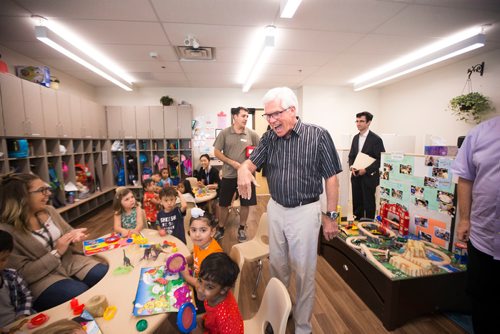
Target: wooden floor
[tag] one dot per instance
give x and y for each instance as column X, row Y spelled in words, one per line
column 337, row 308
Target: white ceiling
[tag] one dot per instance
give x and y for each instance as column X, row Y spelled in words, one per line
column 328, row 42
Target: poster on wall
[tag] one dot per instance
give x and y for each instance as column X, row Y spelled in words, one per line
column 423, row 185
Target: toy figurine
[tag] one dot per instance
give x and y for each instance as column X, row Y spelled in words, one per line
column 126, row 260
column 147, row 254
column 156, row 249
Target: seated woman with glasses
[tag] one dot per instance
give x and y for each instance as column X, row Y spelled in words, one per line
column 42, row 243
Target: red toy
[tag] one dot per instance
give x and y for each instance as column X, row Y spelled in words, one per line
column 395, row 217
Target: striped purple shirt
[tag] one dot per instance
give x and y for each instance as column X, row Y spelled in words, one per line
column 296, row 165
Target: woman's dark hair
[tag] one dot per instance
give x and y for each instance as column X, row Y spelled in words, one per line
column 205, row 156
column 6, row 241
column 219, row 268
column 187, row 187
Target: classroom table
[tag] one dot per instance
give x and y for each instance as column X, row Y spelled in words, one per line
column 205, row 197
column 120, row 290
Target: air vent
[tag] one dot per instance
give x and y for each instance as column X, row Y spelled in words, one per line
column 188, row 53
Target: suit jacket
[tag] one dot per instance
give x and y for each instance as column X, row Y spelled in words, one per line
column 373, row 147
column 37, row 265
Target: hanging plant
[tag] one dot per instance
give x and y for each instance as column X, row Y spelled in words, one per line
column 471, row 107
column 166, row 100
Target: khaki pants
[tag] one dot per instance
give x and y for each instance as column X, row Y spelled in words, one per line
column 293, row 246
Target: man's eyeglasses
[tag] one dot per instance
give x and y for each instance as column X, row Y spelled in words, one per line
column 274, row 115
column 43, row 190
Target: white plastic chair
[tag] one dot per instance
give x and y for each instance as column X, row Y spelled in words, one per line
column 251, row 251
column 274, row 309
column 193, row 181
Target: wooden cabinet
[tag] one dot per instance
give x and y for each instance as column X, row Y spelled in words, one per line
column 149, row 122
column 22, row 107
column 50, row 114
column 64, row 126
column 121, row 122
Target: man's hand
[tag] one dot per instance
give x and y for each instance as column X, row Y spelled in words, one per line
column 245, row 180
column 361, row 172
column 463, row 230
column 330, row 227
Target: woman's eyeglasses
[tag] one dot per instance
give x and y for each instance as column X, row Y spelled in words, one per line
column 43, row 190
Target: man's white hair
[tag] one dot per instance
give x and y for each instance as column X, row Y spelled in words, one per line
column 285, row 94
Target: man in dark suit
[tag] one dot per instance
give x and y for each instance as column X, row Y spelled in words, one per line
column 364, row 181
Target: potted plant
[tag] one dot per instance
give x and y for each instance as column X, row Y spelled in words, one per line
column 166, row 100
column 471, row 107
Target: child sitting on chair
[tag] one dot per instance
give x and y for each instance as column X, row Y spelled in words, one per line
column 170, row 220
column 217, row 275
column 128, row 215
column 150, row 201
column 15, row 297
column 165, row 180
column 186, row 190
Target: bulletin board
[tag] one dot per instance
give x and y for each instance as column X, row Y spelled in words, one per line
column 423, row 185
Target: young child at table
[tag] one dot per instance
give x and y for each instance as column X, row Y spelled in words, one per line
column 150, row 201
column 165, row 180
column 170, row 219
column 217, row 275
column 201, row 232
column 128, row 215
column 186, row 190
column 15, row 297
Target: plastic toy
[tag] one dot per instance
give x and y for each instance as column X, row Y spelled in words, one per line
column 38, row 320
column 76, row 306
column 186, row 318
column 109, row 312
column 126, row 260
column 141, row 325
column 139, row 239
column 175, row 263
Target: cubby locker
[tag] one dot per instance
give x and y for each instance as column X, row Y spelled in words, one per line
column 172, row 145
column 96, row 146
column 38, row 166
column 67, row 144
column 36, row 147
column 3, row 157
column 186, row 164
column 132, row 168
column 52, row 147
column 157, row 145
column 68, row 168
column 144, row 145
column 145, row 160
column 118, row 163
column 173, row 166
column 90, row 164
column 87, row 145
column 20, row 165
column 77, row 146
column 56, row 180
column 157, row 157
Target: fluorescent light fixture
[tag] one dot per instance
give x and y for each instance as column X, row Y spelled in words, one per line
column 257, row 57
column 288, row 8
column 42, row 35
column 450, row 47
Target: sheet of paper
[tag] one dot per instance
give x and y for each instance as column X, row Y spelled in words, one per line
column 362, row 161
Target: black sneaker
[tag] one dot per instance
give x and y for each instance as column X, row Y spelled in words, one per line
column 242, row 235
column 219, row 234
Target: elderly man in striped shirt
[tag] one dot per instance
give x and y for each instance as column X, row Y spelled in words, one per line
column 297, row 157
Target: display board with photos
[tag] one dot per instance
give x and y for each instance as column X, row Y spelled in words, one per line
column 423, row 185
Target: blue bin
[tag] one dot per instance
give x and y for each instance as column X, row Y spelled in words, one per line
column 17, row 148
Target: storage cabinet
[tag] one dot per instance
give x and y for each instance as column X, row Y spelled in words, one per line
column 157, row 142
column 22, row 107
column 121, row 122
column 50, row 120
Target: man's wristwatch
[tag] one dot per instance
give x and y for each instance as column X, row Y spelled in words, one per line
column 331, row 214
